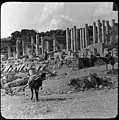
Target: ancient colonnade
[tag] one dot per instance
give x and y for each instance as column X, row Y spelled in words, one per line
column 76, row 39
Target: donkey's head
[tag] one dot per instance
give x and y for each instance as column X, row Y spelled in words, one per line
column 43, row 76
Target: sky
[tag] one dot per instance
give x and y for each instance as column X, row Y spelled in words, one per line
column 43, row 16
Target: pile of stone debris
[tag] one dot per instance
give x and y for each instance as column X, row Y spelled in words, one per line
column 70, row 61
column 11, row 69
column 92, row 81
column 18, row 66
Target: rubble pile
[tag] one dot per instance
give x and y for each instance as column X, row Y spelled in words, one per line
column 20, row 66
column 14, row 74
column 115, row 72
column 11, row 69
column 70, row 61
column 91, row 81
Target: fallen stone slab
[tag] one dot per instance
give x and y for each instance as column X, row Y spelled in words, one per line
column 18, row 82
column 7, row 68
column 11, row 78
column 22, row 66
column 17, row 89
column 14, row 69
column 2, row 69
column 18, row 67
column 21, row 74
column 10, row 69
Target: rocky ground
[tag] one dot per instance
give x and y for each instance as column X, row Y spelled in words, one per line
column 54, row 102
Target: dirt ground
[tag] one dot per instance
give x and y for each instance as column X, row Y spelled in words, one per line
column 88, row 104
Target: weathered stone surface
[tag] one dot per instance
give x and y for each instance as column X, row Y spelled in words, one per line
column 3, row 92
column 10, row 69
column 67, row 39
column 91, row 81
column 99, row 31
column 22, row 66
column 18, row 82
column 7, row 68
column 14, row 69
column 17, row 89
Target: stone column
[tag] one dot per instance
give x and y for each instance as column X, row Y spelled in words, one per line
column 86, row 35
column 103, row 31
column 72, row 41
column 67, row 39
column 37, row 45
column 42, row 45
column 78, row 38
column 99, row 31
column 47, row 46
column 32, row 44
column 17, row 49
column 94, row 32
column 9, row 50
column 81, row 42
column 113, row 34
column 83, row 37
column 107, row 32
column 74, row 37
column 54, row 45
column 102, row 49
column 23, row 47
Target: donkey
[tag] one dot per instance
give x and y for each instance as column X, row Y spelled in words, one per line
column 36, row 84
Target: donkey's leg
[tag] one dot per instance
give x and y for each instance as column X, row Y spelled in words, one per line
column 36, row 92
column 32, row 93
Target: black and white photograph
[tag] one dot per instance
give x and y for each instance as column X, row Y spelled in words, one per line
column 59, row 60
